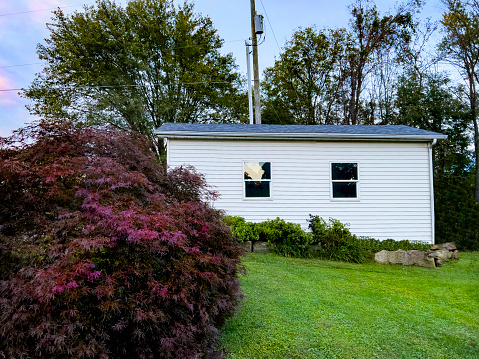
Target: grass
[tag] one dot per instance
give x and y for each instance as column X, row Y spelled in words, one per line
column 301, row 308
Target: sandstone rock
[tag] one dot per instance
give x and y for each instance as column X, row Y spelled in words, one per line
column 441, row 254
column 433, row 257
column 261, row 247
column 398, row 257
column 420, row 258
column 450, row 246
column 382, row 257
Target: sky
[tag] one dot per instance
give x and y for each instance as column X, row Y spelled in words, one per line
column 23, row 26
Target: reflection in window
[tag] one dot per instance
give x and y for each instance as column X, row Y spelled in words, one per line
column 344, row 177
column 257, row 179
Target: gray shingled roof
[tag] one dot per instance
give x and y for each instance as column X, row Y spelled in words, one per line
column 194, row 130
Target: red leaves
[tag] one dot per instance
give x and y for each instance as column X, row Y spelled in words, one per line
column 102, row 246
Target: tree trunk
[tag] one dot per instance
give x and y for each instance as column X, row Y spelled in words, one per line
column 351, row 119
column 473, row 102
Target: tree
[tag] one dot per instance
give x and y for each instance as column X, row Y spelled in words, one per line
column 299, row 88
column 104, row 254
column 135, row 68
column 428, row 101
column 370, row 36
column 321, row 75
column 461, row 47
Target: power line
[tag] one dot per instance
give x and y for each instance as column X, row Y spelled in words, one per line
column 271, row 26
column 33, row 63
column 121, row 86
column 39, row 10
column 173, row 48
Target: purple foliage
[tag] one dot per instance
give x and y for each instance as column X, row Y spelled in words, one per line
column 105, row 254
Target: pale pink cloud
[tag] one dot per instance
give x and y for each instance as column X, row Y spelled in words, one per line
column 7, row 98
column 43, row 9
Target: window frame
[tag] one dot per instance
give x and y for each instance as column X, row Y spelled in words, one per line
column 265, row 180
column 357, row 182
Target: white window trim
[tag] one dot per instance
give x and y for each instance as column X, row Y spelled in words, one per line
column 270, row 198
column 331, row 181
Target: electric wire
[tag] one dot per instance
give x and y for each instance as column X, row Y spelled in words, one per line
column 33, row 63
column 271, row 26
column 39, row 63
column 39, row 10
column 174, row 48
column 124, row 86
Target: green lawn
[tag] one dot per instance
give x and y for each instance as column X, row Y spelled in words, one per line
column 298, row 308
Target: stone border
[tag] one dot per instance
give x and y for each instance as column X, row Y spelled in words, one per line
column 432, row 258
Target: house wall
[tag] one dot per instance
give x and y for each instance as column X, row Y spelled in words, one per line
column 394, row 188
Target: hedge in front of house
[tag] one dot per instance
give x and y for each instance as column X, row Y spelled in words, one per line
column 287, row 239
column 333, row 238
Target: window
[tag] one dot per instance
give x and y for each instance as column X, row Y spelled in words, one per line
column 344, row 178
column 257, row 179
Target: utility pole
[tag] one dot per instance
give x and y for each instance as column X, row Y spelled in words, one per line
column 257, row 104
column 250, row 91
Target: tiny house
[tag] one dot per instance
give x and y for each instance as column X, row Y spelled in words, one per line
column 378, row 179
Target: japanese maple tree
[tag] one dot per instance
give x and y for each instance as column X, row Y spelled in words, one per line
column 104, row 253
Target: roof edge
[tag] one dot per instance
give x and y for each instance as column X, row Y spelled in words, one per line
column 296, row 136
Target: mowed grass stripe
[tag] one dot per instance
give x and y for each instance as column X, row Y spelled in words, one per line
column 299, row 308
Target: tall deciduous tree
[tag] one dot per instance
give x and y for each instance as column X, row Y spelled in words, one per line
column 461, row 47
column 299, row 88
column 370, row 35
column 136, row 67
column 321, row 75
column 428, row 101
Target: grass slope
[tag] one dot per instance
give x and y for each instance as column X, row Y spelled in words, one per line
column 299, row 308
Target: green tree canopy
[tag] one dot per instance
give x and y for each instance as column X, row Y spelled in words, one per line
column 136, row 67
column 321, row 76
column 300, row 86
column 461, row 47
column 428, row 101
column 370, row 35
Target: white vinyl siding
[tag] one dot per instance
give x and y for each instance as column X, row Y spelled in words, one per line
column 395, row 197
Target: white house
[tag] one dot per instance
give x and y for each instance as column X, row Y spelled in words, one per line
column 376, row 178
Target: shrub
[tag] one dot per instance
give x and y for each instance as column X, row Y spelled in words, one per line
column 242, row 230
column 336, row 241
column 288, row 238
column 375, row 245
column 104, row 254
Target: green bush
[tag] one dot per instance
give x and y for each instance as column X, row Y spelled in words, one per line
column 336, row 240
column 242, row 230
column 375, row 245
column 338, row 243
column 287, row 238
